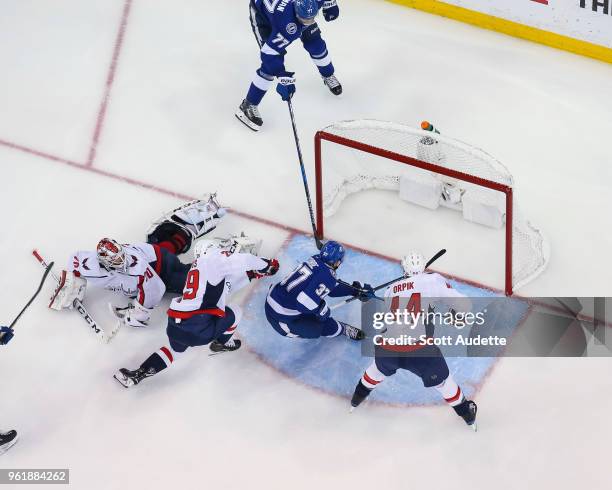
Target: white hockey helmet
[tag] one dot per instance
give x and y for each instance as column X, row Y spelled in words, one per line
column 413, row 263
column 202, row 246
column 111, row 254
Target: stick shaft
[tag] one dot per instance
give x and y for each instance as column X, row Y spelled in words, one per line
column 78, row 306
column 388, row 283
column 304, row 179
column 42, row 281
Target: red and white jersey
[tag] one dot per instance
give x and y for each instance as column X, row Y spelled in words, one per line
column 211, row 278
column 139, row 281
column 417, row 293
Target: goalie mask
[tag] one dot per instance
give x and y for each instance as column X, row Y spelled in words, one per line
column 413, row 263
column 111, row 255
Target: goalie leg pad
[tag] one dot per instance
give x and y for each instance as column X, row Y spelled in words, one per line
column 187, row 222
column 70, row 288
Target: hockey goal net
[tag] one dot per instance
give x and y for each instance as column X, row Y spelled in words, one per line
column 432, row 171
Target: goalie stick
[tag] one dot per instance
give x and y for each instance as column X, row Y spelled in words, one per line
column 388, row 283
column 304, row 179
column 42, row 281
column 78, row 306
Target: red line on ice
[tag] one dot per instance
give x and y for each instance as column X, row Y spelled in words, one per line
column 110, row 78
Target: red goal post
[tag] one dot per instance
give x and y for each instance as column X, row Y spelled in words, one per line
column 372, row 138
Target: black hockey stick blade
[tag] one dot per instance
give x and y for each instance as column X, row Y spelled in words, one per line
column 435, row 257
column 42, row 281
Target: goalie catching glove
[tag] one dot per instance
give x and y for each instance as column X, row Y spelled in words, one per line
column 70, row 288
column 133, row 315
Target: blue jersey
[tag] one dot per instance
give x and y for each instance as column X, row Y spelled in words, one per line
column 284, row 29
column 304, row 290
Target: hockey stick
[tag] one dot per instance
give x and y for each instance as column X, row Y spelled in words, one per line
column 42, row 281
column 388, row 283
column 78, row 306
column 370, row 296
column 304, row 179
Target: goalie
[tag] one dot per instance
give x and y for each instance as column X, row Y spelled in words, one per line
column 143, row 272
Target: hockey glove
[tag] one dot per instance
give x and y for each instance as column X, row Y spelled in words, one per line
column 323, row 311
column 269, row 270
column 286, row 85
column 70, row 288
column 133, row 315
column 6, row 334
column 330, row 10
column 363, row 293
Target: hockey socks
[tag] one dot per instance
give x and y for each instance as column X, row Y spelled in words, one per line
column 371, row 378
column 158, row 361
column 323, row 63
column 259, row 86
column 451, row 392
column 360, row 394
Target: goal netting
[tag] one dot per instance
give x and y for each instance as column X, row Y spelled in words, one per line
column 430, row 170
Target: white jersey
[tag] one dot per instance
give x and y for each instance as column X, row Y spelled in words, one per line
column 140, row 281
column 209, row 281
column 419, row 292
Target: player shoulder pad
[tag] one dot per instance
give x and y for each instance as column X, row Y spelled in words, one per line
column 286, row 22
column 145, row 249
column 439, row 279
column 85, row 262
column 137, row 263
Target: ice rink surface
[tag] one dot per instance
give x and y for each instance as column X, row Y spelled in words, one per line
column 115, row 111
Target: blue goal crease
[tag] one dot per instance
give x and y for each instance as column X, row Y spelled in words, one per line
column 336, row 365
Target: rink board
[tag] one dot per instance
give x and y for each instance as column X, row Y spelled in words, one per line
column 335, row 365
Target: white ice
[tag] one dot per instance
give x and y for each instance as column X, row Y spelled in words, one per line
column 230, row 421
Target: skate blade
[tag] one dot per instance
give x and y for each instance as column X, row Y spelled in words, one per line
column 474, row 427
column 244, row 120
column 219, row 352
column 351, row 410
column 125, row 385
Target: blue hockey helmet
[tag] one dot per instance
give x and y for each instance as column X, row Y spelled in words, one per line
column 332, row 254
column 306, row 11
